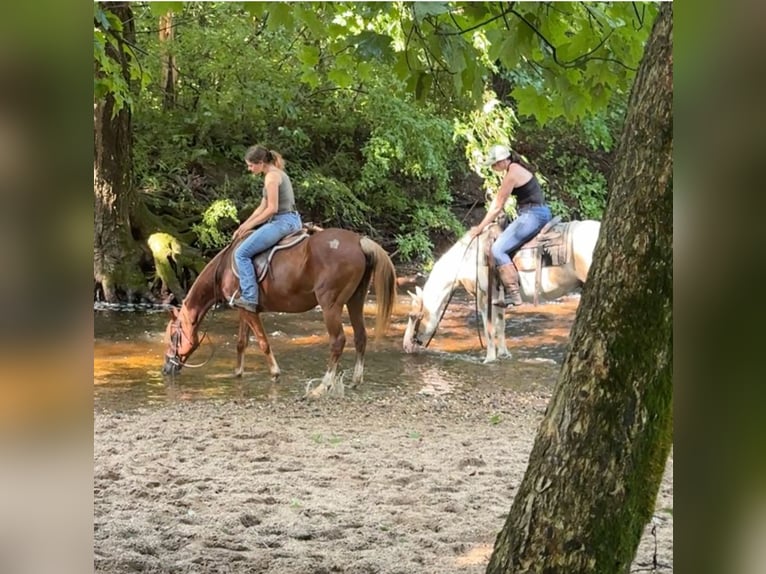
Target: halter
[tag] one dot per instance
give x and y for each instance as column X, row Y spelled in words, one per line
column 419, row 317
column 176, row 336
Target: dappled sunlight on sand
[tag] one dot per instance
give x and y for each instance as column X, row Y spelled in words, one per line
column 477, row 555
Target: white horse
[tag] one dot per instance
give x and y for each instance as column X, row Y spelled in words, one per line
column 465, row 263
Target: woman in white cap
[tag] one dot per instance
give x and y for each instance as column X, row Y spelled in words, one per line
column 533, row 214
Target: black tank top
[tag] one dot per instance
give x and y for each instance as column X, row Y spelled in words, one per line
column 529, row 194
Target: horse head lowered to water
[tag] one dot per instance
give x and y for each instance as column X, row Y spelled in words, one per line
column 465, row 263
column 330, row 268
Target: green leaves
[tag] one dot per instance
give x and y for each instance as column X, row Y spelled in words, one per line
column 340, row 77
column 310, row 18
column 161, row 8
column 308, row 55
column 422, row 10
column 372, row 104
column 371, row 44
column 114, row 61
column 208, row 232
column 543, row 43
column 280, row 15
column 445, row 51
column 505, row 48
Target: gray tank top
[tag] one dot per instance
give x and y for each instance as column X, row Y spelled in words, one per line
column 286, row 196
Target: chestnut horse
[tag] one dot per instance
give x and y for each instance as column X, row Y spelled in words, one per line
column 331, row 268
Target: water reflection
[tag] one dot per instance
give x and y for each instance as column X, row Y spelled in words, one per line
column 129, row 348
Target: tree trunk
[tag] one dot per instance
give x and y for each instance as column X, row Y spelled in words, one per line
column 125, row 231
column 118, row 251
column 168, row 61
column 115, row 254
column 599, row 456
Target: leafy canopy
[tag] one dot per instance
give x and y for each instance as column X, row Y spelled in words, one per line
column 372, row 103
column 567, row 58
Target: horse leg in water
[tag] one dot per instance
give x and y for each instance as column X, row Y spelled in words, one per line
column 496, row 318
column 253, row 320
column 489, row 327
column 492, row 320
column 244, row 335
column 355, row 307
column 332, row 320
column 490, row 335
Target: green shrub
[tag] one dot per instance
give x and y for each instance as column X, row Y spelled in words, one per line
column 329, row 202
column 209, row 235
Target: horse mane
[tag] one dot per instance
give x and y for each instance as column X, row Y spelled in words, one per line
column 207, row 279
column 447, row 269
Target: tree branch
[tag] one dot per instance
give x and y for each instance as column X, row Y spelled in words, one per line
column 475, row 27
column 430, row 56
column 640, row 16
column 572, row 63
column 504, row 15
column 592, row 16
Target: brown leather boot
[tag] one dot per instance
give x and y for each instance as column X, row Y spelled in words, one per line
column 510, row 279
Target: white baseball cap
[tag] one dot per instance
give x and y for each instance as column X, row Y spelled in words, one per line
column 497, row 153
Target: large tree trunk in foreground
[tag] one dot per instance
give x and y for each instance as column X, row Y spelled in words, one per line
column 127, row 236
column 115, row 253
column 600, row 452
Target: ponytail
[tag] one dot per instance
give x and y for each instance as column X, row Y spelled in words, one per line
column 258, row 153
column 276, row 159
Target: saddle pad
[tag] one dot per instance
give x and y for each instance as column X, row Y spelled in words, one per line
column 262, row 260
column 550, row 247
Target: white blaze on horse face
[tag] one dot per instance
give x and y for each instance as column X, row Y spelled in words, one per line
column 334, row 244
column 168, row 333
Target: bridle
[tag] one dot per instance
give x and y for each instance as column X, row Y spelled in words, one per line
column 419, row 316
column 416, row 318
column 177, row 335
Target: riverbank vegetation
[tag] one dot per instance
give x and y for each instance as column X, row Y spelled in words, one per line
column 380, row 111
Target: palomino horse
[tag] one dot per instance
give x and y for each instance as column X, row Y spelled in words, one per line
column 331, row 268
column 463, row 265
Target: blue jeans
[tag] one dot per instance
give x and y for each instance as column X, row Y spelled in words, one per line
column 267, row 235
column 519, row 231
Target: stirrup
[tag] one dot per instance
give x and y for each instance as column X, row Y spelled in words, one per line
column 247, row 305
